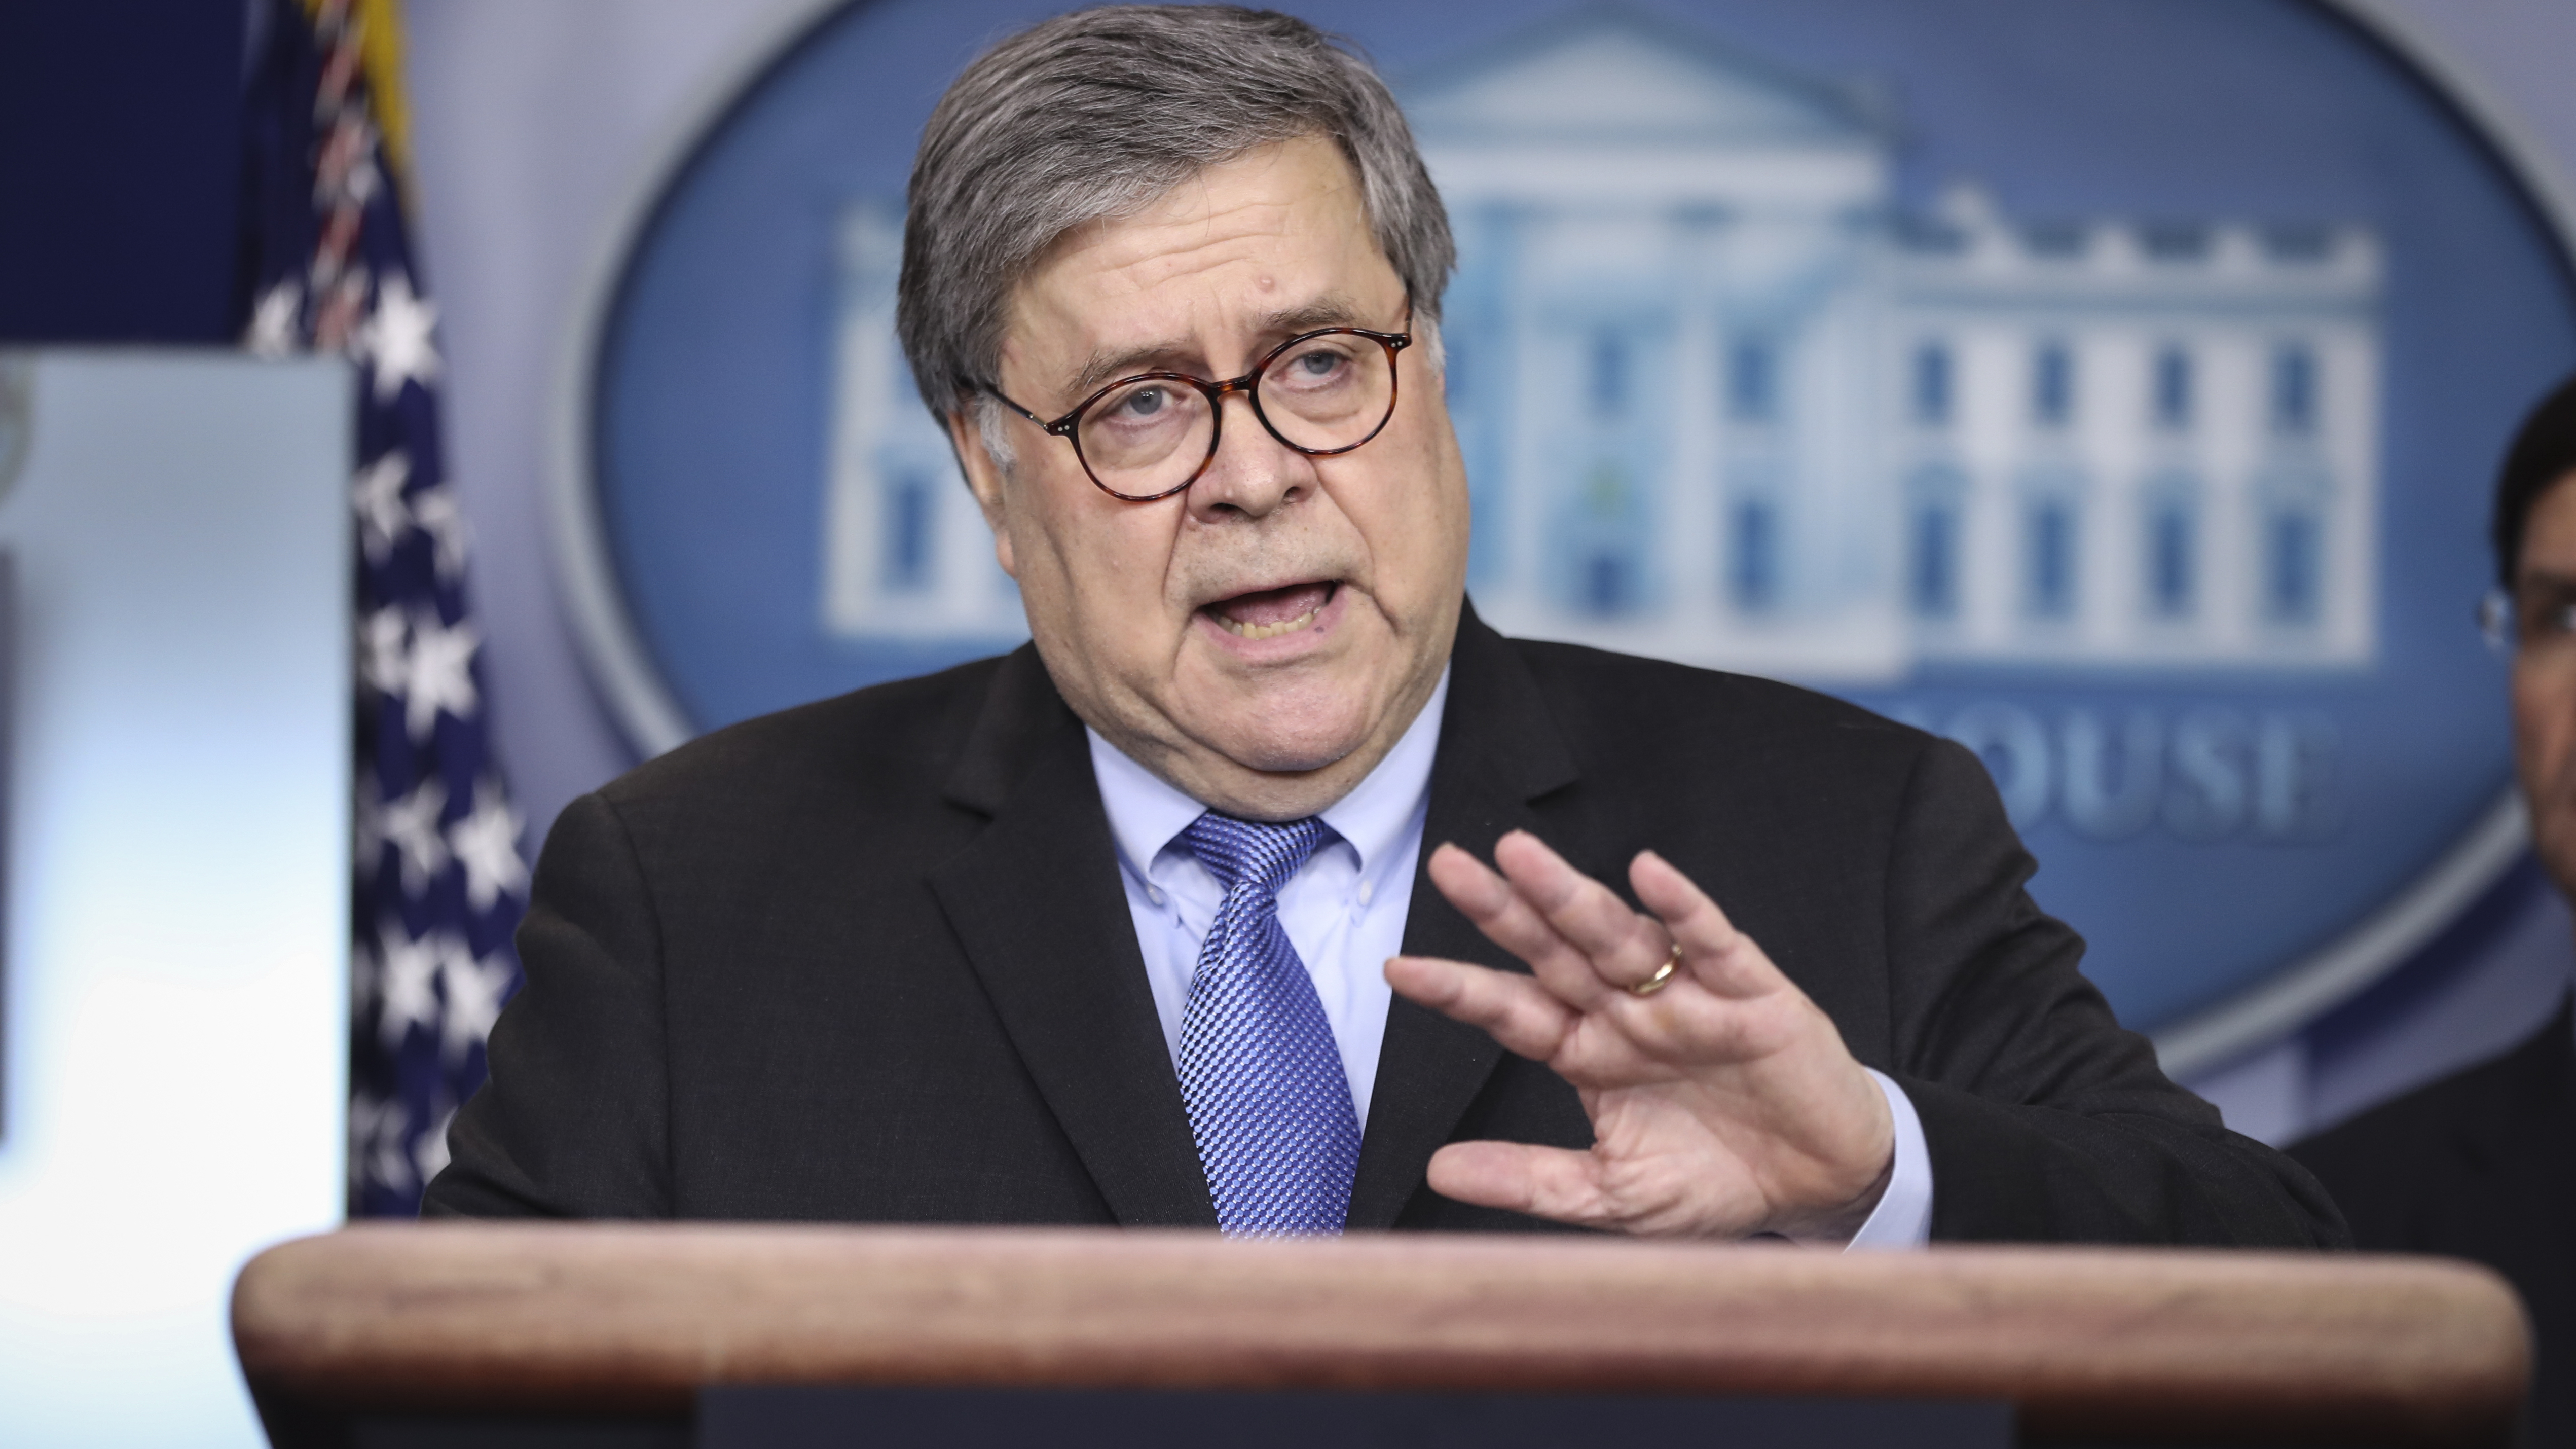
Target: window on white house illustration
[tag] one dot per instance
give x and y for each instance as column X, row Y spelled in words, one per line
column 2048, row 542
column 1932, row 543
column 2052, row 385
column 2172, row 403
column 908, row 533
column 1752, row 380
column 1609, row 380
column 1605, row 566
column 2172, row 569
column 1932, row 384
column 1609, row 582
column 2293, row 564
column 2294, row 391
column 1753, row 555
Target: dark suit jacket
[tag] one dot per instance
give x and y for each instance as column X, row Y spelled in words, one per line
column 870, row 960
column 2480, row 1165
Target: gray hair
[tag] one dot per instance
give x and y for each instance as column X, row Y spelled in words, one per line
column 1098, row 114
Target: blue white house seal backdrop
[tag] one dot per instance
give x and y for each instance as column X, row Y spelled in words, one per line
column 2111, row 385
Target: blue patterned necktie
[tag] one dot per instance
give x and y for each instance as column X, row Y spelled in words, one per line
column 1262, row 1078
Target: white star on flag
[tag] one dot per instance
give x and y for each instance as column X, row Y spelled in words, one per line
column 377, row 494
column 486, row 843
column 384, row 650
column 474, row 990
column 411, row 823
column 431, row 1154
column 408, row 983
column 361, row 178
column 376, row 1141
column 439, row 517
column 394, row 341
column 272, row 332
column 440, row 673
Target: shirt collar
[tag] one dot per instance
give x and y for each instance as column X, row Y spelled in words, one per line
column 1146, row 812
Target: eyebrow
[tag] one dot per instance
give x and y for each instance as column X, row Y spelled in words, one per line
column 1327, row 311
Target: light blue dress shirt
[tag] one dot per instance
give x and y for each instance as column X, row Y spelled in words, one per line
column 1344, row 911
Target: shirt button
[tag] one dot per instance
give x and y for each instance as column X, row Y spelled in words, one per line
column 1154, row 894
column 1366, row 890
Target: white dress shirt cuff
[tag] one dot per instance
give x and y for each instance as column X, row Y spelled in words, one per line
column 1903, row 1218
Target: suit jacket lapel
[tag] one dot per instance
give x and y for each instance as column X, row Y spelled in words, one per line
column 1499, row 751
column 1037, row 903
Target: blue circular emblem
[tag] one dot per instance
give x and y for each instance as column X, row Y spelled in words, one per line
column 2111, row 387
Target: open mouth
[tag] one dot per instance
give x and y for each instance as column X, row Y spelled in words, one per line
column 1269, row 613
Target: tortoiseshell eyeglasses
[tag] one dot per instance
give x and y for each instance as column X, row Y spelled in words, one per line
column 1151, row 435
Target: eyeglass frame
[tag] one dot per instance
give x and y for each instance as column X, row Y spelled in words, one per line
column 2496, row 622
column 2499, row 618
column 1068, row 426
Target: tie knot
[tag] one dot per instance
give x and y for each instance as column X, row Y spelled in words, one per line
column 1249, row 853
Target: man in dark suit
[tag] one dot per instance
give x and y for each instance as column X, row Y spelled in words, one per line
column 2482, row 1164
column 1137, row 925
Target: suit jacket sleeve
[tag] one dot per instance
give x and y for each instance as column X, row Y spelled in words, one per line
column 2045, row 1120
column 574, row 1119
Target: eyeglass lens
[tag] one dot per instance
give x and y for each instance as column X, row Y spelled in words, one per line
column 2538, row 620
column 1321, row 395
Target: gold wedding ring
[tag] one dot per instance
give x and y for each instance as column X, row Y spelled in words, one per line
column 1663, row 976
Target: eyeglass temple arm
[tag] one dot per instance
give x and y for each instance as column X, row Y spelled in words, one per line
column 997, row 394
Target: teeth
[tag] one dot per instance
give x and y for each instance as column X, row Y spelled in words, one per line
column 1268, row 631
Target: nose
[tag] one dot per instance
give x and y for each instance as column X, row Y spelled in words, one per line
column 1253, row 474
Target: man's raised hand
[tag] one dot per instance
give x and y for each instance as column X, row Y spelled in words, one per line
column 1723, row 1103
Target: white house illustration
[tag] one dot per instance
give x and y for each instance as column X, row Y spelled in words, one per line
column 1723, row 402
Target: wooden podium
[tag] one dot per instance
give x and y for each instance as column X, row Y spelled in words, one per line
column 381, row 1335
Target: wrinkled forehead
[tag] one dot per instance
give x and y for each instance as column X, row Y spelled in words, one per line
column 1276, row 236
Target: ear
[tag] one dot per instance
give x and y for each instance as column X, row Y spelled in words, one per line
column 985, row 480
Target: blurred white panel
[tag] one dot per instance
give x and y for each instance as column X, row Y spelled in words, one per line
column 177, row 878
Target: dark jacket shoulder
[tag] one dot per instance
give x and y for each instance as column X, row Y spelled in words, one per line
column 2480, row 1165
column 1609, row 696
column 920, row 725
column 1646, row 729
column 862, row 788
column 2392, row 1166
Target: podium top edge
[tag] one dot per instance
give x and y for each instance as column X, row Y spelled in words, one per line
column 629, row 1315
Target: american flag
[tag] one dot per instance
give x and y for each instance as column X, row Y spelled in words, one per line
column 439, row 879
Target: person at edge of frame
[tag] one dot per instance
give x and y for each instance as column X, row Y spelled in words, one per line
column 2482, row 1164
